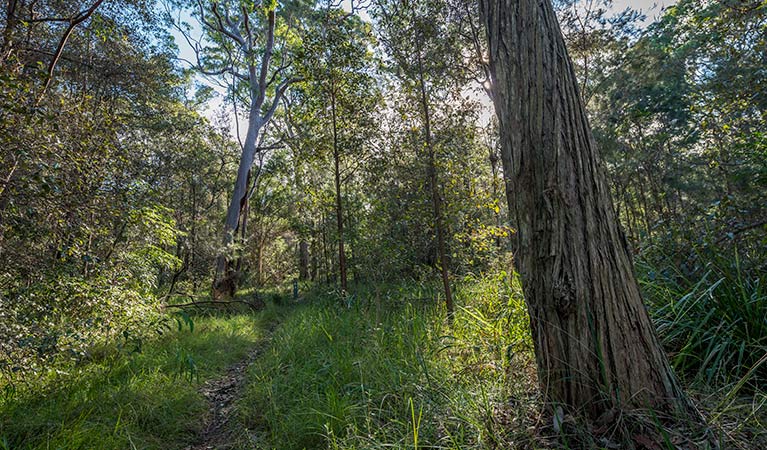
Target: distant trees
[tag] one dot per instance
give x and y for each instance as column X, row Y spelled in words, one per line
column 684, row 145
column 344, row 96
column 330, row 126
column 409, row 33
column 595, row 345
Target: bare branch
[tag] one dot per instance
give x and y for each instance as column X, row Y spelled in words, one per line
column 268, row 50
column 228, row 29
column 278, row 96
column 81, row 17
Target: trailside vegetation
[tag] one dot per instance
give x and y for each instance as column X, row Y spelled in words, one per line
column 383, row 224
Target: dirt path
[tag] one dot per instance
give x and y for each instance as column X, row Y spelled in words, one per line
column 221, row 394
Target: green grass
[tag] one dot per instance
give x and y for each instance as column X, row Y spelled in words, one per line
column 383, row 370
column 713, row 325
column 379, row 369
column 712, row 319
column 123, row 399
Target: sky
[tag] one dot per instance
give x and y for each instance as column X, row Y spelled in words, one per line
column 651, row 8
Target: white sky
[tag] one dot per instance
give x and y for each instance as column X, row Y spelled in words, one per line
column 651, row 8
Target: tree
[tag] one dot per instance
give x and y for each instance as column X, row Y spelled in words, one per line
column 330, row 121
column 341, row 66
column 418, row 38
column 596, row 349
column 685, row 149
column 243, row 38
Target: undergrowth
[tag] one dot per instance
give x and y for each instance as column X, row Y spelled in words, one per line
column 713, row 322
column 382, row 369
column 711, row 315
column 128, row 396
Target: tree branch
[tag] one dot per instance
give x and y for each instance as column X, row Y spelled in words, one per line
column 278, row 96
column 267, row 57
column 74, row 22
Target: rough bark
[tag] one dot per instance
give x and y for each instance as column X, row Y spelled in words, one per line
column 595, row 345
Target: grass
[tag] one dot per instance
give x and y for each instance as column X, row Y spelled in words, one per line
column 122, row 399
column 714, row 325
column 383, row 370
column 379, row 369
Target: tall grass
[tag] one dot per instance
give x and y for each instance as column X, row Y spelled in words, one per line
column 383, row 370
column 122, row 399
column 712, row 321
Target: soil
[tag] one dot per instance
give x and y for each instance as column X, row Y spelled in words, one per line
column 221, row 394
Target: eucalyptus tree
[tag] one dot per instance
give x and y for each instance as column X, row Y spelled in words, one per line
column 595, row 345
column 247, row 44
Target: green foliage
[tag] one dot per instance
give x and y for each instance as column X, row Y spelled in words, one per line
column 683, row 146
column 682, row 139
column 715, row 325
column 123, row 399
column 113, row 184
column 98, row 173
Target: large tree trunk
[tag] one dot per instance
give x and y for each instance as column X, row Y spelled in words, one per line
column 595, row 345
column 225, row 281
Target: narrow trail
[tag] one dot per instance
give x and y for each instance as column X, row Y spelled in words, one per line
column 221, row 394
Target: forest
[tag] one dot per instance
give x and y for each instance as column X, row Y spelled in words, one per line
column 377, row 224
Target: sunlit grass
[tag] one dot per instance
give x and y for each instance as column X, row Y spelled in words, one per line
column 384, row 370
column 123, row 399
column 380, row 368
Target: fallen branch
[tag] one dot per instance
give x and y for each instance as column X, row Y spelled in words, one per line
column 199, row 304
